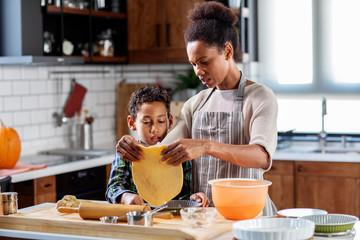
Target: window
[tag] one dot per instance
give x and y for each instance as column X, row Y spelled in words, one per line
column 309, row 45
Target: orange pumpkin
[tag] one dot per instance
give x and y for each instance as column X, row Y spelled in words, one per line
column 10, row 146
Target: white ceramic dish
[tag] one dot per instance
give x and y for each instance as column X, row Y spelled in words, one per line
column 273, row 229
column 332, row 223
column 299, row 212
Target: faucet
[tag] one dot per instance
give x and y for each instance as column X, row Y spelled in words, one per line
column 322, row 135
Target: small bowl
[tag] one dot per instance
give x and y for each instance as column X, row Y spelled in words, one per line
column 198, row 216
column 112, row 219
column 138, row 218
column 332, row 223
column 273, row 229
column 299, row 212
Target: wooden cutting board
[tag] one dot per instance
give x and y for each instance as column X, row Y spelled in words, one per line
column 124, row 92
column 46, row 218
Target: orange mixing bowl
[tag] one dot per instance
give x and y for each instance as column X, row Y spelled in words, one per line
column 239, row 198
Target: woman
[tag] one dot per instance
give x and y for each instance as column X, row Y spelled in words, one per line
column 229, row 129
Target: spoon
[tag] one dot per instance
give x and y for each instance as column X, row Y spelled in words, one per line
column 161, row 207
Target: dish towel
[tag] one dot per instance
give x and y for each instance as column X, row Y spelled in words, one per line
column 75, row 100
column 20, row 168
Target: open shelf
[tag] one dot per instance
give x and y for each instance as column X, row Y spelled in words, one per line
column 95, row 13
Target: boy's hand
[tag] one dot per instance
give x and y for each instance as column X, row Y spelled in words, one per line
column 131, row 199
column 128, row 149
column 200, row 197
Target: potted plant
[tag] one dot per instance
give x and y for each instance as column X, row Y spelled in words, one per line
column 187, row 85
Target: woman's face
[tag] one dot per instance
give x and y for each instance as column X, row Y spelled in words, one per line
column 210, row 65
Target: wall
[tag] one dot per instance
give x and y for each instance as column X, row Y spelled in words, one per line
column 29, row 95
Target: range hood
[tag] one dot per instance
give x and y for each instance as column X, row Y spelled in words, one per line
column 21, row 35
column 40, row 60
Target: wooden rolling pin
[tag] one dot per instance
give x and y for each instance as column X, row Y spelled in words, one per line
column 98, row 210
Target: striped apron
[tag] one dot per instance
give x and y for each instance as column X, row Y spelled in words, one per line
column 225, row 127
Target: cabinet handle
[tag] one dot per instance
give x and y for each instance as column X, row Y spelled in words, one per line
column 300, row 168
column 168, row 43
column 158, row 35
column 48, row 185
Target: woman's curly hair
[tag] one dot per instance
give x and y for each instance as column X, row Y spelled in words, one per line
column 213, row 23
column 148, row 94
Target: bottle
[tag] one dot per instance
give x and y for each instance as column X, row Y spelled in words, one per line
column 1, row 205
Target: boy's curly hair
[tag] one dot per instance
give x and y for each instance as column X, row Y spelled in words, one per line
column 213, row 23
column 148, row 94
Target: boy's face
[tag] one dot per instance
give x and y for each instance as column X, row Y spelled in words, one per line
column 151, row 122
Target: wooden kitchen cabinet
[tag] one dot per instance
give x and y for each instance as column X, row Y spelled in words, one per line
column 282, row 190
column 36, row 191
column 333, row 187
column 85, row 28
column 84, row 184
column 156, row 30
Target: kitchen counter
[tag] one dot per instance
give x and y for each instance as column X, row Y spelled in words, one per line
column 297, row 152
column 56, row 165
column 305, row 151
column 45, row 222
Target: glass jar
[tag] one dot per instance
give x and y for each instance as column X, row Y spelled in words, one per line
column 9, row 202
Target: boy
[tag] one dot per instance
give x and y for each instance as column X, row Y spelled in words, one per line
column 149, row 109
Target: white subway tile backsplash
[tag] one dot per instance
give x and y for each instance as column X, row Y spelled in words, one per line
column 29, row 102
column 46, row 101
column 132, row 81
column 30, row 95
column 43, row 72
column 31, row 132
column 21, row 118
column 181, row 67
column 7, row 118
column 12, row 72
column 47, row 130
column 39, row 116
column 110, row 84
column 97, row 85
column 21, row 87
column 38, row 87
column 5, row 88
column 136, row 68
column 12, row 103
column 110, row 110
column 137, row 75
column 29, row 72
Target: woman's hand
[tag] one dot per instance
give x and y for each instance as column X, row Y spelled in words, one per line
column 131, row 199
column 128, row 149
column 200, row 197
column 184, row 150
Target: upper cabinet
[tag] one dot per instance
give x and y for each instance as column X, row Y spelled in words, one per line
column 95, row 30
column 50, row 31
column 156, row 30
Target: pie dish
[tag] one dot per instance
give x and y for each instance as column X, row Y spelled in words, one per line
column 299, row 212
column 273, row 229
column 332, row 223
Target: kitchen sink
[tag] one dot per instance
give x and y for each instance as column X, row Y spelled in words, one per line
column 338, row 150
column 77, row 152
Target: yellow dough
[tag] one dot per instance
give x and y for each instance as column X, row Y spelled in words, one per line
column 156, row 181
